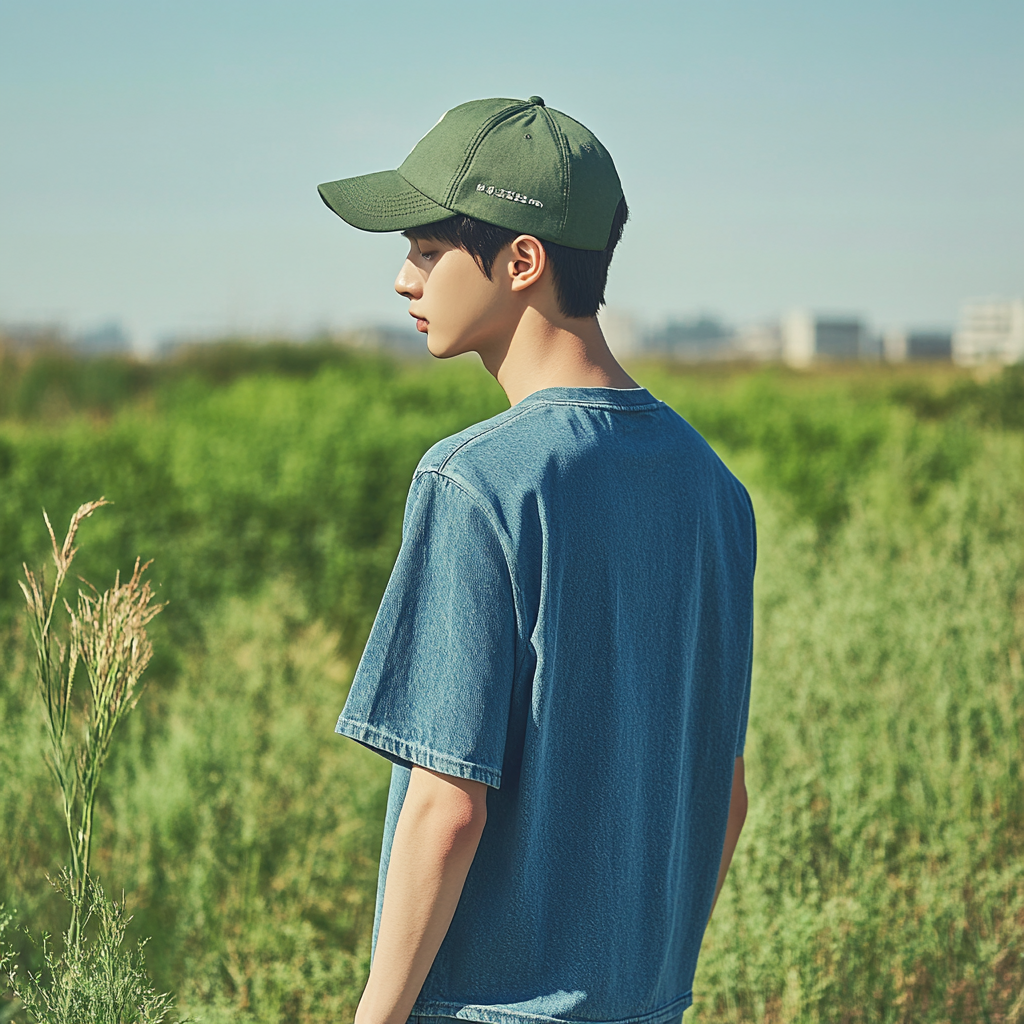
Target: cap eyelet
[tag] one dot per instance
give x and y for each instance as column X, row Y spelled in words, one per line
column 527, row 136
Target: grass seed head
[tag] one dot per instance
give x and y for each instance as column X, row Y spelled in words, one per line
column 108, row 633
column 63, row 555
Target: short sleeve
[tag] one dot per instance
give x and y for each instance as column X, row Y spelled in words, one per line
column 434, row 685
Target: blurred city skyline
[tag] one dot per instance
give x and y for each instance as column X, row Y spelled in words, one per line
column 160, row 162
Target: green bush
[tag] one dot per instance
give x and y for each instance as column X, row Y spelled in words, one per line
column 228, row 487
column 96, row 977
column 878, row 878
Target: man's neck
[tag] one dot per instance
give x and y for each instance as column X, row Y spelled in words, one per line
column 545, row 354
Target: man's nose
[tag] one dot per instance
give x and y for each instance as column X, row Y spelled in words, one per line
column 408, row 283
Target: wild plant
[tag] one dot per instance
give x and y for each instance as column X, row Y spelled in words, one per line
column 107, row 635
column 97, row 979
column 90, row 980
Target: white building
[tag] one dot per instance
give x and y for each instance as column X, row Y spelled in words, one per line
column 808, row 338
column 761, row 342
column 990, row 331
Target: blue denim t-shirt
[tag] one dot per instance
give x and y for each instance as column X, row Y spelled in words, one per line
column 569, row 621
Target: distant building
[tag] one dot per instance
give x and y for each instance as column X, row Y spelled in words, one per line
column 761, row 342
column 108, row 339
column 917, row 346
column 990, row 331
column 702, row 337
column 809, row 338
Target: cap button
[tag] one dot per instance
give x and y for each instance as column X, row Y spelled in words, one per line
column 536, row 100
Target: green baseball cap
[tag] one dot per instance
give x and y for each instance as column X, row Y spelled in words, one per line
column 514, row 163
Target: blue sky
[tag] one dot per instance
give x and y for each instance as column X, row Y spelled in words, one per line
column 158, row 160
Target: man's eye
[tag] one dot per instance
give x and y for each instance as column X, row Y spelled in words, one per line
column 429, row 254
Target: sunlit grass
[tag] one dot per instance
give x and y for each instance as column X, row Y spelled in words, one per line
column 878, row 878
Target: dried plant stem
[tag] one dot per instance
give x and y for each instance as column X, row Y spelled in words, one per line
column 107, row 634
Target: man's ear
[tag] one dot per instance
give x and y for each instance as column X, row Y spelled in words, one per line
column 528, row 262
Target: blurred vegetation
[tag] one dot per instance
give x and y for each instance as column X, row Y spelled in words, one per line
column 231, row 466
column 879, row 876
column 55, row 381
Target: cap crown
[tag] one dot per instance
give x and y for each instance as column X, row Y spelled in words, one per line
column 520, row 165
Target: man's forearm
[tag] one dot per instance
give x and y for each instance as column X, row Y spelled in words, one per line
column 737, row 816
column 435, row 841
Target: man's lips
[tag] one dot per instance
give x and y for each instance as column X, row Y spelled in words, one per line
column 421, row 325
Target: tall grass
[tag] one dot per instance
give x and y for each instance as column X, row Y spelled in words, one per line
column 94, row 977
column 107, row 635
column 878, row 877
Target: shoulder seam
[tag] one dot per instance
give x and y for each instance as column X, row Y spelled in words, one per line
column 439, row 468
column 500, row 535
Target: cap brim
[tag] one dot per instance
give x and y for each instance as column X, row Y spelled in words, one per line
column 383, row 201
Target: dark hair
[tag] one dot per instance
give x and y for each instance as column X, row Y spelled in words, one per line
column 579, row 275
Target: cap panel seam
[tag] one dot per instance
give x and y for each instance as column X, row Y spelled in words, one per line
column 433, row 202
column 471, row 150
column 563, row 149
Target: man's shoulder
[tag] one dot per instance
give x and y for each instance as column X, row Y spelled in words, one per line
column 537, row 425
column 480, row 443
column 531, row 443
column 515, row 449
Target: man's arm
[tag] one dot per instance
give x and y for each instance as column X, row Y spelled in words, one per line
column 737, row 815
column 435, row 842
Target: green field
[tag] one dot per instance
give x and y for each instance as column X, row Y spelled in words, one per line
column 880, row 877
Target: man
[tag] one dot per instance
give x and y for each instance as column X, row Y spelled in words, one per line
column 560, row 666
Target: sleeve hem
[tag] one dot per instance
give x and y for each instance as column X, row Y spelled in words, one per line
column 393, row 746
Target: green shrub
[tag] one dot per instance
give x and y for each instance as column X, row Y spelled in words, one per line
column 228, row 487
column 96, row 978
column 878, row 878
